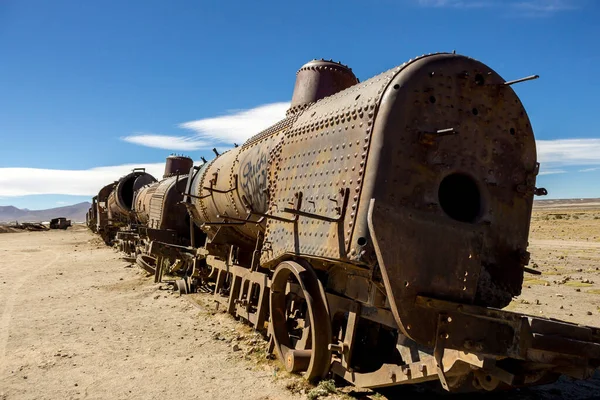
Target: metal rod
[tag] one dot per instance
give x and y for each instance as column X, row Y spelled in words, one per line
column 250, row 210
column 187, row 194
column 215, row 151
column 532, row 271
column 196, row 197
column 247, row 219
column 223, row 223
column 210, row 189
column 192, row 234
column 527, row 78
column 310, row 215
column 441, row 132
column 346, row 193
column 272, row 216
column 217, row 190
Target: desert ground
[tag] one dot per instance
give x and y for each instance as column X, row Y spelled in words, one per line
column 79, row 322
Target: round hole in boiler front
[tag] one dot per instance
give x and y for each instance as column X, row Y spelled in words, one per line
column 460, row 198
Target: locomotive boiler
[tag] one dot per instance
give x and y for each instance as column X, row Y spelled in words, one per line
column 162, row 222
column 114, row 202
column 157, row 205
column 376, row 232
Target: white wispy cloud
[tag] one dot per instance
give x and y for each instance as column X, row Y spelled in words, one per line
column 552, row 171
column 456, row 3
column 547, row 6
column 166, row 142
column 590, row 169
column 569, row 152
column 28, row 181
column 239, row 125
column 234, row 127
column 525, row 7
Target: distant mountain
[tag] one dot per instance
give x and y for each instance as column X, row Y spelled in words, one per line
column 76, row 213
column 551, row 203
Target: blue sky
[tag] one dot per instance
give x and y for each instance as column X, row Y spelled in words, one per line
column 118, row 84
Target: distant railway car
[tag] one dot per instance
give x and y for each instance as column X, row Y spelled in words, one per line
column 161, row 223
column 115, row 201
column 158, row 207
column 60, row 223
column 91, row 218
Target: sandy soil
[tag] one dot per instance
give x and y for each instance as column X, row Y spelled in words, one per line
column 78, row 322
column 565, row 248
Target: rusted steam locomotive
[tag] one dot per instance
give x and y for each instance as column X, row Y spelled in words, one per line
column 112, row 208
column 374, row 233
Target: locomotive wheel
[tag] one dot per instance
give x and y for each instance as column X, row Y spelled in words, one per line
column 182, row 286
column 300, row 322
column 145, row 262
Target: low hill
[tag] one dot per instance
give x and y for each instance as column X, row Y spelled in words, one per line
column 75, row 212
column 567, row 203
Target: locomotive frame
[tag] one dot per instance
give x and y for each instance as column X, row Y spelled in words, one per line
column 376, row 232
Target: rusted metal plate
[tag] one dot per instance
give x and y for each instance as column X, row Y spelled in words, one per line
column 557, row 344
column 322, row 155
column 227, row 185
column 212, row 199
column 177, row 165
column 141, row 203
column 409, row 271
column 318, row 79
column 121, row 200
column 101, row 206
column 455, row 146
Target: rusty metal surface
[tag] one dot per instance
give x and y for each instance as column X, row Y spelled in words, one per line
column 120, row 201
column 318, row 79
column 141, row 202
column 478, row 229
column 226, row 187
column 101, row 206
column 322, row 156
column 177, row 165
column 405, row 200
column 92, row 215
column 166, row 210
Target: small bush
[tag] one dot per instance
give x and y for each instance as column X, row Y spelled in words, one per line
column 323, row 389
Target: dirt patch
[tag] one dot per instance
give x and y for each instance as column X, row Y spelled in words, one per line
column 565, row 248
column 78, row 322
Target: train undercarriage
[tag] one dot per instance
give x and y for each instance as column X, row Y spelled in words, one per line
column 476, row 348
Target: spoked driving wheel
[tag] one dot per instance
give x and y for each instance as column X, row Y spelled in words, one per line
column 300, row 321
